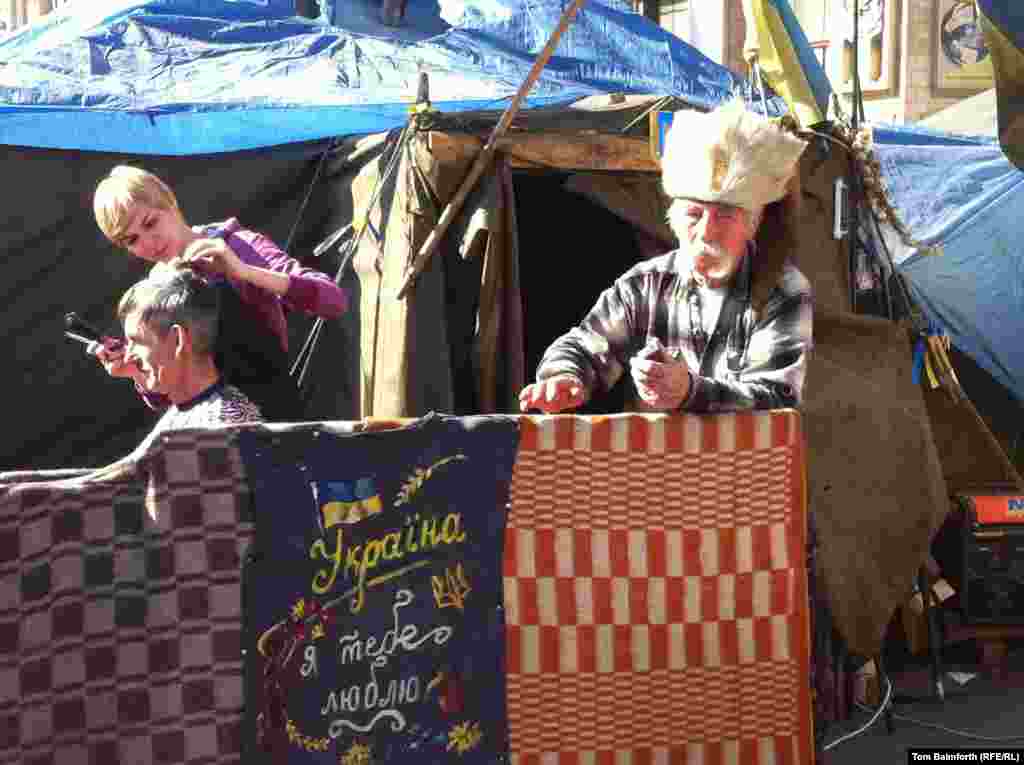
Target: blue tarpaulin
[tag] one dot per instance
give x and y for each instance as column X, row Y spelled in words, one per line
column 201, row 76
column 963, row 201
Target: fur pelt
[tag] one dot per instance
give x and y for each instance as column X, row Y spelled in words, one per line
column 777, row 240
column 729, row 155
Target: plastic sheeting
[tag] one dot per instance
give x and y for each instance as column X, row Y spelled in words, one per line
column 964, row 200
column 202, row 76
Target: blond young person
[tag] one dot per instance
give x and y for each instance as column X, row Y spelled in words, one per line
column 259, row 283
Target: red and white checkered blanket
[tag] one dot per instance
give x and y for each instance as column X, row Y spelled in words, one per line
column 655, row 591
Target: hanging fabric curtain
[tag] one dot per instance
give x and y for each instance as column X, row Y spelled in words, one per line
column 777, row 44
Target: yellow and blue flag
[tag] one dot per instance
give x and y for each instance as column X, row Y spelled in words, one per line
column 778, row 43
column 347, row 501
column 1002, row 23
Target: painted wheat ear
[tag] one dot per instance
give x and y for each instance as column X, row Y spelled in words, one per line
column 419, row 477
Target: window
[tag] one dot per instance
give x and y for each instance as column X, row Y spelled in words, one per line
column 876, row 46
column 670, row 14
column 673, row 15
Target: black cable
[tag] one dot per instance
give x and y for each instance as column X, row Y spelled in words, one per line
column 857, row 183
column 885, row 707
column 309, row 193
column 927, row 724
column 301, row 366
column 907, row 301
column 882, row 708
column 887, row 297
column 853, row 223
column 856, row 63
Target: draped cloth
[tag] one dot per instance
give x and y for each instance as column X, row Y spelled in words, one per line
column 657, row 606
column 120, row 638
column 654, row 583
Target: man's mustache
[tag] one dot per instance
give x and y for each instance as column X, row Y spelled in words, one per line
column 708, row 251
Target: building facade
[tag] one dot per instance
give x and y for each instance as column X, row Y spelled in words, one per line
column 18, row 13
column 915, row 57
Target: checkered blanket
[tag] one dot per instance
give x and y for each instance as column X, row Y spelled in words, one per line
column 119, row 637
column 655, row 599
column 655, row 591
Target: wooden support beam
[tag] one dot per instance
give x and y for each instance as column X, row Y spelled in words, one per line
column 484, row 157
column 579, row 152
column 561, row 151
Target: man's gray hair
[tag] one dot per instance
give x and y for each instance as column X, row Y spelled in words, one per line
column 179, row 297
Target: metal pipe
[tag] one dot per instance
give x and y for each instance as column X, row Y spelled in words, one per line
column 855, row 120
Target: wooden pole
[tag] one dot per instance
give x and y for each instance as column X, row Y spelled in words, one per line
column 1001, row 455
column 484, row 157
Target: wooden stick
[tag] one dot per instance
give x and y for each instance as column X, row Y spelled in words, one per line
column 951, row 385
column 484, row 157
column 1001, row 456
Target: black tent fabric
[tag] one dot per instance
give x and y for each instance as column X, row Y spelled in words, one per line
column 60, row 409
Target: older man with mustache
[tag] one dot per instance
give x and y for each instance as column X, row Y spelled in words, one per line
column 685, row 324
column 171, row 321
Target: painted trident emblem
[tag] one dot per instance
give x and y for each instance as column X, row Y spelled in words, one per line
column 451, row 590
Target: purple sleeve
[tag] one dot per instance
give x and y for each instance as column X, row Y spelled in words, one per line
column 309, row 290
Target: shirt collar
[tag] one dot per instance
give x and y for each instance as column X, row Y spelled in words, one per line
column 203, row 396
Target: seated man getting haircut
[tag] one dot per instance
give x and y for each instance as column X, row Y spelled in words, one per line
column 170, row 324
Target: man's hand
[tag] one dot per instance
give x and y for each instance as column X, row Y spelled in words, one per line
column 661, row 384
column 553, row 395
column 213, row 256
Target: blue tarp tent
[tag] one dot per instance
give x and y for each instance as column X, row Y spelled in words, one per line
column 180, row 77
column 236, row 103
column 963, row 201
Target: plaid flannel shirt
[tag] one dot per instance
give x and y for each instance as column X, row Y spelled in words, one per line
column 749, row 362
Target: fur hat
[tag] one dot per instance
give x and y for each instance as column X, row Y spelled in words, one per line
column 729, row 155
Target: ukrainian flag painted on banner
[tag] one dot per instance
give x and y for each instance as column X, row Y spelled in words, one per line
column 1002, row 22
column 786, row 59
column 347, row 501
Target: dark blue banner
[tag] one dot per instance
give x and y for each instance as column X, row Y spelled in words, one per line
column 374, row 604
